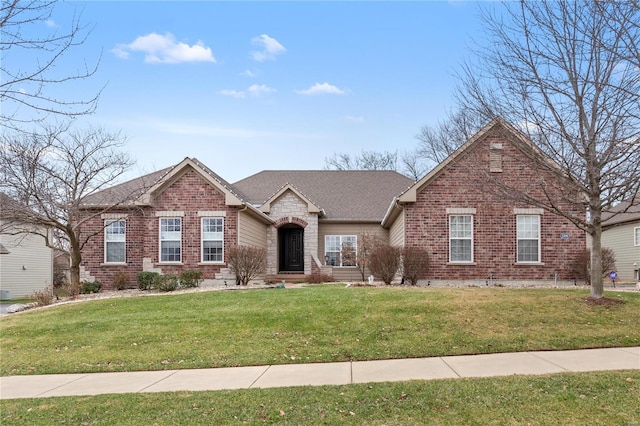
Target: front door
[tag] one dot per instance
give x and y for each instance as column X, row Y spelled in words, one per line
column 291, row 249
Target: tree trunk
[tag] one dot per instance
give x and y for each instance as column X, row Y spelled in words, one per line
column 597, row 286
column 74, row 269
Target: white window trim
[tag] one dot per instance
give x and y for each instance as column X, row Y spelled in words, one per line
column 106, row 224
column 160, row 219
column 524, row 262
column 355, row 237
column 202, row 240
column 465, row 262
column 636, row 236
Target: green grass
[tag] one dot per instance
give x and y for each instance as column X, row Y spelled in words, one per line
column 313, row 324
column 606, row 398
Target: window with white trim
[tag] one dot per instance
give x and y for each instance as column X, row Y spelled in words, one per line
column 461, row 238
column 341, row 250
column 636, row 241
column 528, row 235
column 170, row 239
column 115, row 241
column 212, row 239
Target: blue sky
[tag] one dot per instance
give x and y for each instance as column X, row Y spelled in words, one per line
column 248, row 86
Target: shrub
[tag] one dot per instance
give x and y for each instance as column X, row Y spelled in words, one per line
column 190, row 278
column 43, row 297
column 145, row 280
column 247, row 262
column 384, row 262
column 166, row 282
column 72, row 290
column 120, row 281
column 87, row 287
column 581, row 266
column 319, row 278
column 59, row 275
column 415, row 264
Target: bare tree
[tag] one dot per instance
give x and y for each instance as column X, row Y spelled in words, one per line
column 49, row 175
column 367, row 241
column 436, row 143
column 247, row 262
column 367, row 160
column 31, row 62
column 564, row 73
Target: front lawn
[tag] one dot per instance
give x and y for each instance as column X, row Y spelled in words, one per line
column 313, row 324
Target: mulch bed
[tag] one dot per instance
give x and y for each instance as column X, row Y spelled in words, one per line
column 607, row 302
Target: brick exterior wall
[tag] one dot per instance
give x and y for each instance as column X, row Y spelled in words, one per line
column 494, row 221
column 189, row 194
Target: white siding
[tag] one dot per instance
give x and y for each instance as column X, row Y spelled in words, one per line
column 620, row 240
column 28, row 267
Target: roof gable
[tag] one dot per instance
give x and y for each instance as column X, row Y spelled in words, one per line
column 231, row 199
column 311, row 207
column 511, row 133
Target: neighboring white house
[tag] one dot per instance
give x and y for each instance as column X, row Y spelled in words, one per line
column 621, row 233
column 26, row 263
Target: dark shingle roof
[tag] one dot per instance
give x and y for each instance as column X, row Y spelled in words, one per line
column 126, row 191
column 631, row 213
column 350, row 195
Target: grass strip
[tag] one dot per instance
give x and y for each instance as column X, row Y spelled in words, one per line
column 567, row 399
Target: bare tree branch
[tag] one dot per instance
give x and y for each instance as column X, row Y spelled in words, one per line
column 31, row 61
column 367, row 160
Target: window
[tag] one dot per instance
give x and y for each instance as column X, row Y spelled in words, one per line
column 528, row 230
column 340, row 250
column 212, row 239
column 115, row 240
column 461, row 238
column 636, row 241
column 170, row 239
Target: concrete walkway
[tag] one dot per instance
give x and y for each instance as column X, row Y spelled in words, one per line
column 339, row 373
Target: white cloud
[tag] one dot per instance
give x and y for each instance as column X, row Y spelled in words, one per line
column 248, row 73
column 270, row 48
column 355, row 119
column 321, row 89
column 165, row 49
column 255, row 90
column 233, row 93
column 51, row 23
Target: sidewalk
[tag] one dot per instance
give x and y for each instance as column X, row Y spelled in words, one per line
column 339, row 373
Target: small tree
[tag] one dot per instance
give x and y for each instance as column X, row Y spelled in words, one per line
column 415, row 264
column 366, row 243
column 247, row 262
column 581, row 267
column 384, row 262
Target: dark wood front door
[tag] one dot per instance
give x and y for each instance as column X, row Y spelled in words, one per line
column 291, row 249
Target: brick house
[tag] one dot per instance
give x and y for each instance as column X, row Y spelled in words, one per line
column 187, row 217
column 474, row 231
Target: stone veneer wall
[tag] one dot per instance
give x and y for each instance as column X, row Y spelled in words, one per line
column 290, row 206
